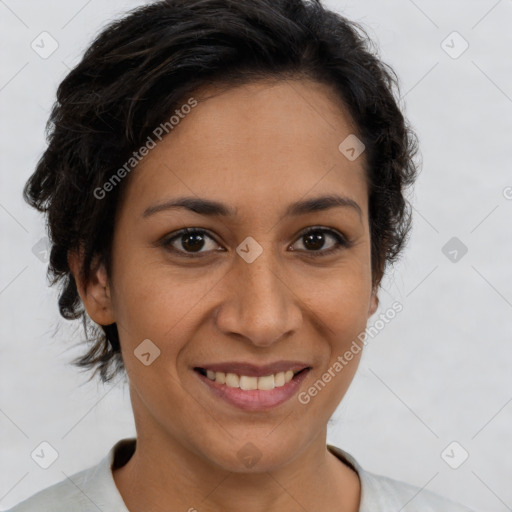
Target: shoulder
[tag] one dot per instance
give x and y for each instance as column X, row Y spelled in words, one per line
column 89, row 490
column 388, row 495
column 63, row 496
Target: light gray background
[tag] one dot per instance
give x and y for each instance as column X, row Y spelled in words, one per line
column 439, row 372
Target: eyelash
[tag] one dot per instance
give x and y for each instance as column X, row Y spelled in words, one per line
column 341, row 242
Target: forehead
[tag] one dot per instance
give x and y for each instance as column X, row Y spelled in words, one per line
column 263, row 140
column 263, row 117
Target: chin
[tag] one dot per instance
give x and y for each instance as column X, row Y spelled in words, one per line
column 253, row 453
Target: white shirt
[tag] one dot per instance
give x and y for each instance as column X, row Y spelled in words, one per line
column 94, row 489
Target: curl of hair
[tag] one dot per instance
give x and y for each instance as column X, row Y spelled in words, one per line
column 140, row 68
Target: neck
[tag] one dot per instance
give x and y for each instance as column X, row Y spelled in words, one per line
column 159, row 476
column 166, row 471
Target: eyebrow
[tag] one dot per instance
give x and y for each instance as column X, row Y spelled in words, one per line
column 214, row 208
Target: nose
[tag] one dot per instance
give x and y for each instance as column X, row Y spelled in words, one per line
column 258, row 304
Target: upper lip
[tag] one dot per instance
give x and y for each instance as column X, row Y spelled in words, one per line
column 253, row 370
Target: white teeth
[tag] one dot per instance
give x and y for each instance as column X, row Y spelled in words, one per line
column 267, row 382
column 279, row 379
column 232, row 380
column 248, row 383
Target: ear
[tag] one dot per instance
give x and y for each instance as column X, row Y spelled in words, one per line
column 95, row 293
column 374, row 302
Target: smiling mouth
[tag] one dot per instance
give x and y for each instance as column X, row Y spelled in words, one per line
column 251, row 382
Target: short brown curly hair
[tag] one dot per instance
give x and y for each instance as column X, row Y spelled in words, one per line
column 138, row 70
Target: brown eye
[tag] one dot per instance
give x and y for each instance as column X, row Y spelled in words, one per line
column 314, row 240
column 189, row 242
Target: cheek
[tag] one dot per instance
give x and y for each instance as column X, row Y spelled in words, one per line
column 156, row 303
column 341, row 311
column 341, row 303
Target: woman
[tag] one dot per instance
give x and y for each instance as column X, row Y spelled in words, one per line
column 224, row 185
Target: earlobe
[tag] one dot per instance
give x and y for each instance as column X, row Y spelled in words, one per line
column 374, row 303
column 95, row 293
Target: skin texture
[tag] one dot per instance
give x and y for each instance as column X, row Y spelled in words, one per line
column 257, row 148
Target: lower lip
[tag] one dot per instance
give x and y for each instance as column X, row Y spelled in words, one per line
column 255, row 399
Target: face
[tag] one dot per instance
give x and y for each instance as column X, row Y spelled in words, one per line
column 267, row 290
